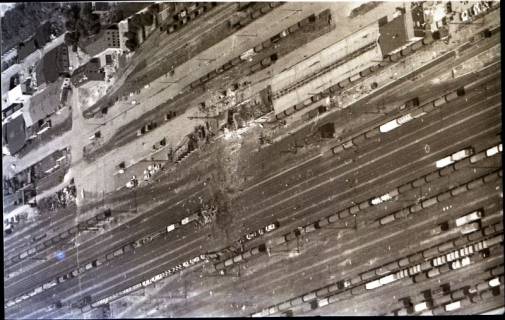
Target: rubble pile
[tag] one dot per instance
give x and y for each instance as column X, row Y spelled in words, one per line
column 59, row 200
column 191, row 142
column 206, row 216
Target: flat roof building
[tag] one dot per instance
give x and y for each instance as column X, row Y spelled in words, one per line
column 106, row 39
column 393, row 35
column 15, row 96
column 13, row 134
column 52, row 65
column 91, row 71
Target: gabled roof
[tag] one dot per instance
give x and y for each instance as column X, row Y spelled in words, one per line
column 43, row 104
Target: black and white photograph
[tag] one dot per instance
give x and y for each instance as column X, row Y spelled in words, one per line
column 176, row 159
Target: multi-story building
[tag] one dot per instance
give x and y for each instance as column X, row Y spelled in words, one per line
column 54, row 64
column 91, row 71
column 106, row 39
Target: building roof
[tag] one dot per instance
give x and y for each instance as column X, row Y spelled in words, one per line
column 64, row 95
column 43, row 104
column 103, row 40
column 393, row 35
column 91, row 71
column 52, row 65
column 14, row 134
column 15, row 95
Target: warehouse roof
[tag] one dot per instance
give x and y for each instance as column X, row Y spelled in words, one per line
column 14, row 134
column 393, row 35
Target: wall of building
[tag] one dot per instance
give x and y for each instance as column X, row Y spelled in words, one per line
column 122, row 27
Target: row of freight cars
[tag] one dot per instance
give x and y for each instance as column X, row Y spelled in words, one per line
column 387, row 274
column 395, row 57
column 252, row 14
column 179, row 19
column 355, row 78
column 108, row 257
column 397, row 122
column 266, row 61
column 186, row 264
column 60, row 237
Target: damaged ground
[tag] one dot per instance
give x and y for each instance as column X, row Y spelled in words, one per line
column 303, row 224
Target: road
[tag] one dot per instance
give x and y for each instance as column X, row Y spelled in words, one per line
column 313, row 190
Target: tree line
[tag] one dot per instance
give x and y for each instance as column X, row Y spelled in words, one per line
column 22, row 21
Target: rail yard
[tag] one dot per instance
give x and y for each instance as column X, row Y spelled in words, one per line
column 260, row 159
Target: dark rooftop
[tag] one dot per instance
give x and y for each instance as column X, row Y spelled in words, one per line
column 14, row 134
column 64, row 95
column 54, row 63
column 91, row 71
column 105, row 39
column 393, row 35
column 14, row 81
